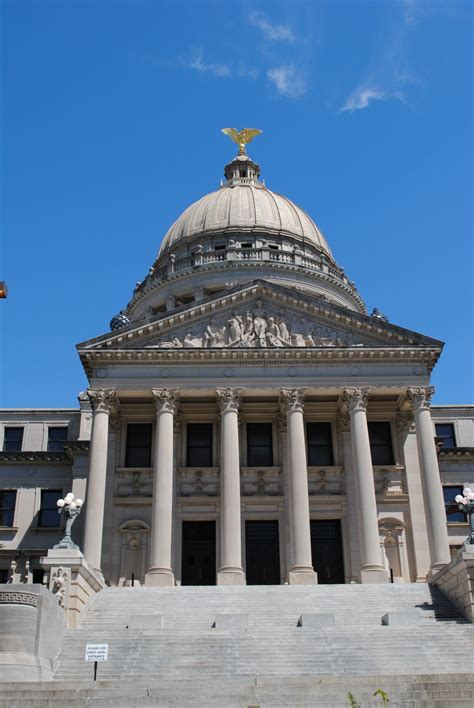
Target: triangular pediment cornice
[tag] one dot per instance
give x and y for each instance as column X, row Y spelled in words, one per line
column 349, row 328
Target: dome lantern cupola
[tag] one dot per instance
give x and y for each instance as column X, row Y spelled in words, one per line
column 242, row 169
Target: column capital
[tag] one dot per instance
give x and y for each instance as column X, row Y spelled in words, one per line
column 228, row 399
column 103, row 400
column 165, row 400
column 292, row 399
column 420, row 397
column 355, row 399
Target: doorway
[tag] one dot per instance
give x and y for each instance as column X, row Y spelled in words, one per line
column 262, row 552
column 198, row 566
column 326, row 551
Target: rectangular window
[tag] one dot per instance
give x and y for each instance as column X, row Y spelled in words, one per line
column 319, row 442
column 199, row 445
column 138, row 451
column 380, row 437
column 38, row 575
column 48, row 515
column 4, row 575
column 259, row 445
column 13, row 439
column 7, row 507
column 445, row 431
column 452, row 511
column 56, row 439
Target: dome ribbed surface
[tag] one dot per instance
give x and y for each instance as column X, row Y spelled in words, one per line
column 246, row 208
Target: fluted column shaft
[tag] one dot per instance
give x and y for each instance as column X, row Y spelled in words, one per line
column 372, row 568
column 102, row 401
column 420, row 399
column 160, row 571
column 230, row 570
column 301, row 571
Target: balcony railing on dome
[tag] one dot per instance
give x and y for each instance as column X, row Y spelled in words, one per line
column 260, row 255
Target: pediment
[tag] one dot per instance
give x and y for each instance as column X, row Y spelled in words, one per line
column 258, row 315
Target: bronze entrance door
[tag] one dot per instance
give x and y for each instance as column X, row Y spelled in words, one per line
column 326, row 551
column 262, row 552
column 198, row 566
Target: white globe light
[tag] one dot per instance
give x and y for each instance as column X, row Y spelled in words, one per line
column 466, row 491
column 60, row 503
column 73, row 505
column 459, row 499
column 470, row 496
column 79, row 503
column 69, row 495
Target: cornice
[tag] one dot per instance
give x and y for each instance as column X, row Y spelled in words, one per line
column 39, row 457
column 457, row 453
column 332, row 356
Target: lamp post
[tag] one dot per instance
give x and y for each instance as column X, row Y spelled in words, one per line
column 71, row 508
column 466, row 504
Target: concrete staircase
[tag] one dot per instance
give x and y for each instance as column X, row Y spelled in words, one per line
column 242, row 646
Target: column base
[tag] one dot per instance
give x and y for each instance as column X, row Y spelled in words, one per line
column 159, row 578
column 231, row 577
column 373, row 575
column 302, row 577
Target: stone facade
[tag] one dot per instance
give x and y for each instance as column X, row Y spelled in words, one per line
column 246, row 422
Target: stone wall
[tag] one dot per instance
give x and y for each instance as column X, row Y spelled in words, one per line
column 456, row 581
column 31, row 628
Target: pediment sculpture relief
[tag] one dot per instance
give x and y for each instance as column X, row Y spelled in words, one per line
column 258, row 329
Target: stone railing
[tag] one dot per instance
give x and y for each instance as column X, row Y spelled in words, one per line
column 259, row 255
column 456, row 581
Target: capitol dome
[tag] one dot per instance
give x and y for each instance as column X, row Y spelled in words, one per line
column 245, row 208
column 239, row 233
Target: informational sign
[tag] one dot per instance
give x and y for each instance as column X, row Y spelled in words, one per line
column 97, row 652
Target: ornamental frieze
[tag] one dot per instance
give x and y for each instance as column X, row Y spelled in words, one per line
column 257, row 329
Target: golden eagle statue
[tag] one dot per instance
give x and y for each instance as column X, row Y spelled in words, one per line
column 242, row 137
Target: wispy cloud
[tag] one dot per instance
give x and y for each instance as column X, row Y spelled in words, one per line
column 197, row 63
column 288, row 81
column 364, row 95
column 387, row 78
column 275, row 33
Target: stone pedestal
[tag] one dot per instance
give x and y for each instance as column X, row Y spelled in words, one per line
column 31, row 630
column 71, row 580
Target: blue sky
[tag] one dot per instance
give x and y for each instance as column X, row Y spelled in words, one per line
column 111, row 126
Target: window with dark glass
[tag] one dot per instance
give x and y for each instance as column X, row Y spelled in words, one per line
column 38, row 575
column 4, row 575
column 246, row 245
column 48, row 515
column 138, row 448
column 380, row 437
column 259, row 445
column 452, row 511
column 56, row 439
column 445, row 431
column 319, row 444
column 13, row 439
column 7, row 507
column 199, row 445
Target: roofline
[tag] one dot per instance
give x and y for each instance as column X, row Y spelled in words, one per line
column 41, row 410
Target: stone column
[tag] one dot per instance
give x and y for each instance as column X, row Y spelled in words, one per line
column 230, row 570
column 301, row 570
column 372, row 568
column 160, row 571
column 102, row 401
column 432, row 490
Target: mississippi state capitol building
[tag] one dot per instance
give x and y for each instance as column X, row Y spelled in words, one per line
column 246, row 421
